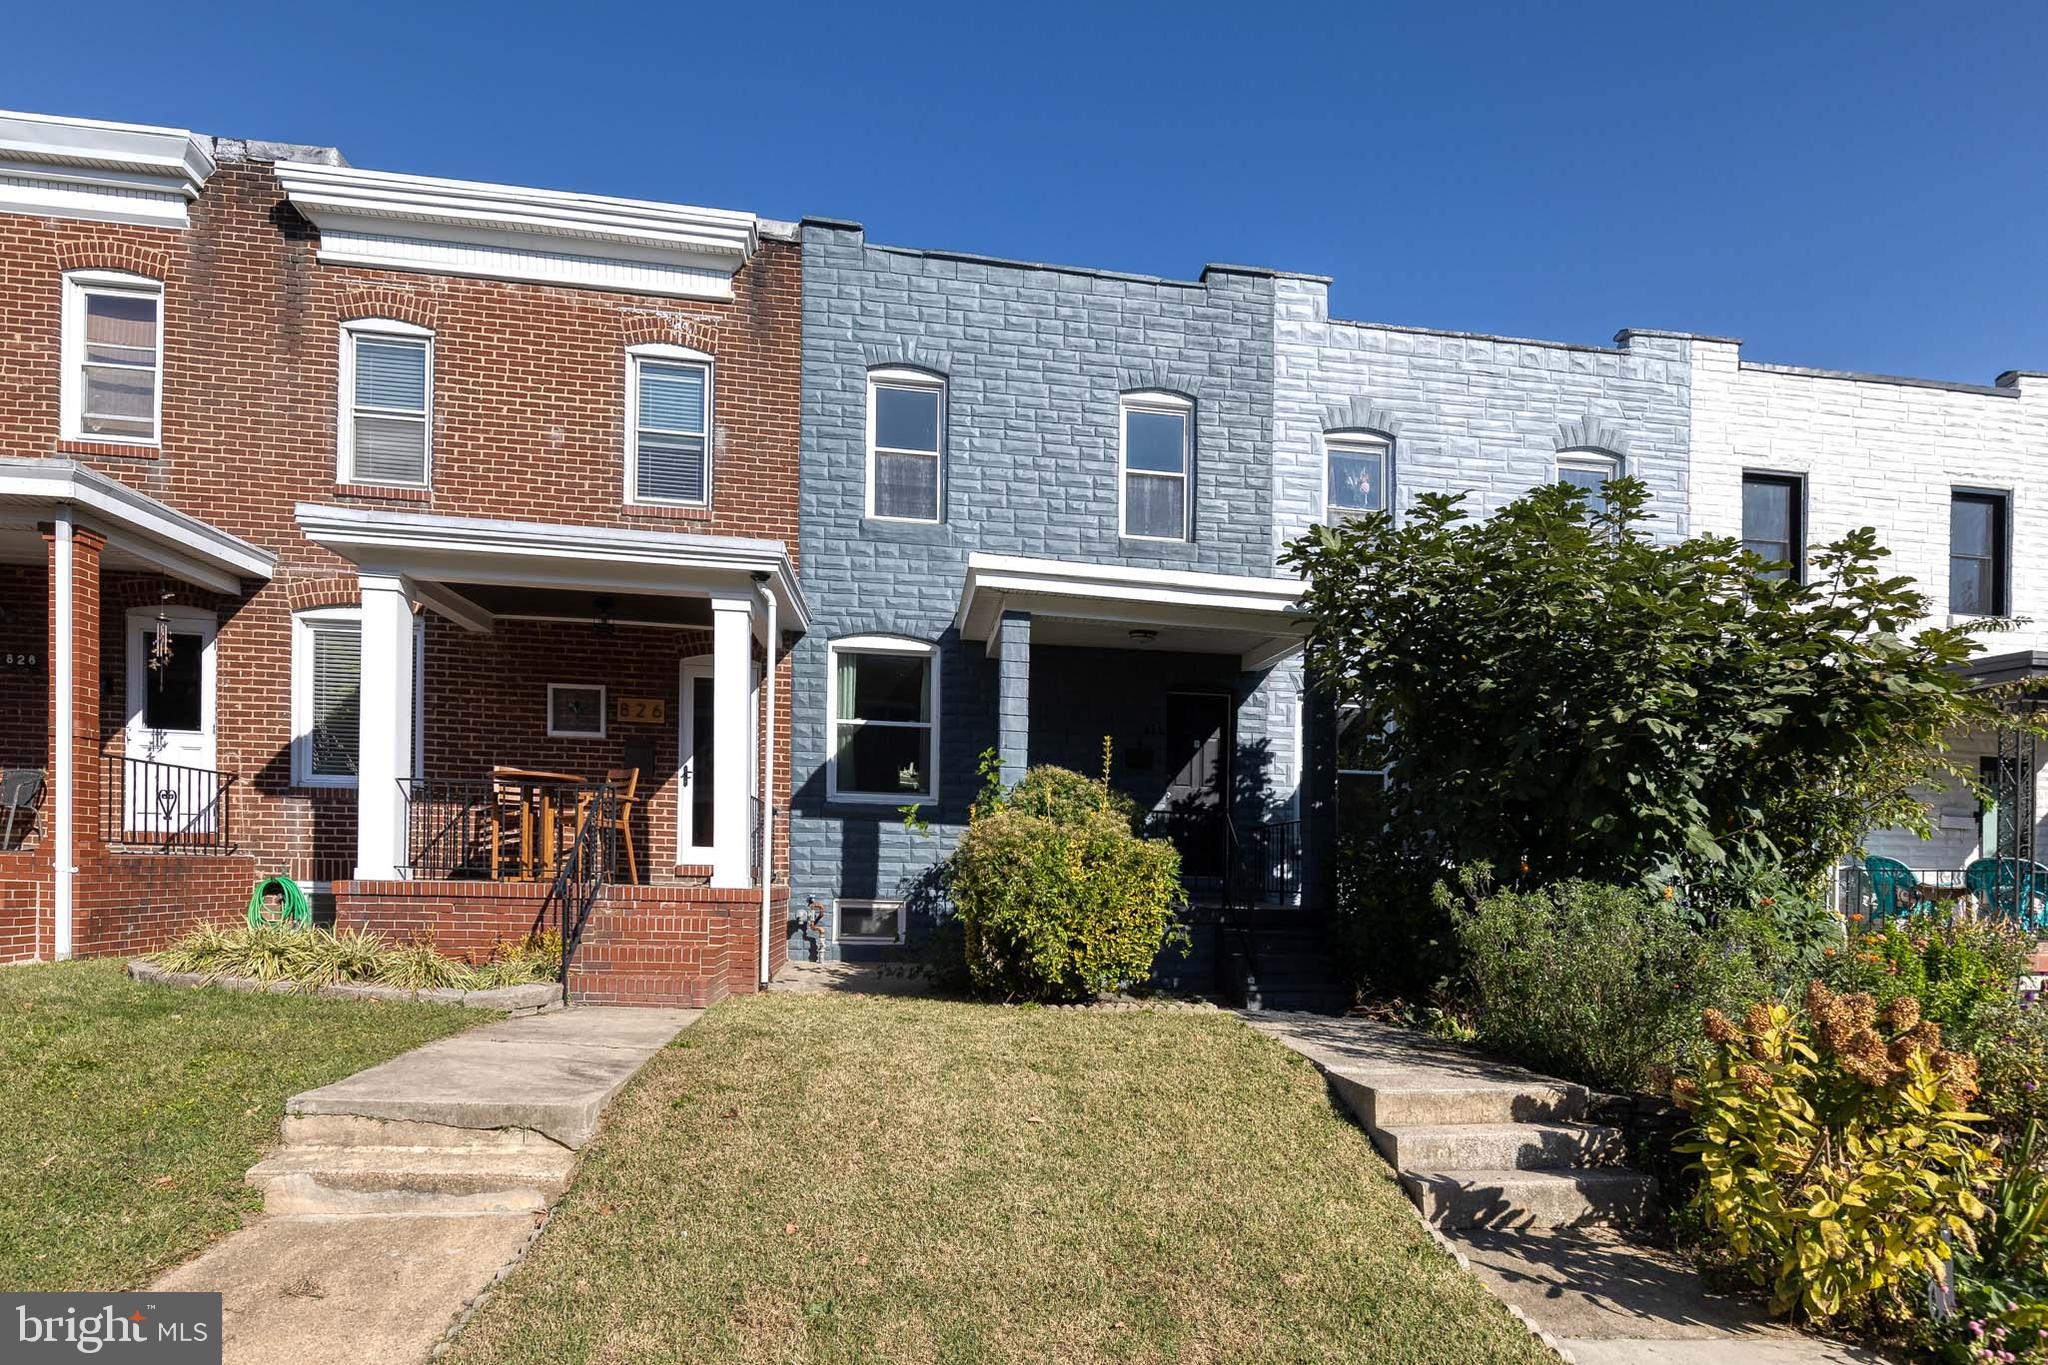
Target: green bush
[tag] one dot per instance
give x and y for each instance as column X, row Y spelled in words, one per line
column 1066, row 797
column 1061, row 908
column 1604, row 984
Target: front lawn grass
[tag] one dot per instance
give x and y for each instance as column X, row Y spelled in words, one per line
column 129, row 1112
column 851, row 1178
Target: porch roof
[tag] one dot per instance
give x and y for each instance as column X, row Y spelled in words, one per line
column 1996, row 670
column 142, row 533
column 1122, row 606
column 435, row 550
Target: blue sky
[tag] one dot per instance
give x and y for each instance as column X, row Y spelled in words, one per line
column 1859, row 186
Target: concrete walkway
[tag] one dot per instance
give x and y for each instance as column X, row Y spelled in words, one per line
column 403, row 1192
column 1529, row 1198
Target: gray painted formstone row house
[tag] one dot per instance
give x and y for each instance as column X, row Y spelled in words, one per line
column 1036, row 511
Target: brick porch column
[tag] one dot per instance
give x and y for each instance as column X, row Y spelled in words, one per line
column 1012, row 642
column 74, row 598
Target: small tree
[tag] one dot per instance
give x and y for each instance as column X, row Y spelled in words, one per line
column 1555, row 692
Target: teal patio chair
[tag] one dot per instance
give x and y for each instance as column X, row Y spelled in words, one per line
column 1894, row 890
column 2010, row 888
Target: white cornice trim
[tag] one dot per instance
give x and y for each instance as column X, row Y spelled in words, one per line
column 181, row 545
column 542, row 554
column 104, row 172
column 1130, row 595
column 409, row 222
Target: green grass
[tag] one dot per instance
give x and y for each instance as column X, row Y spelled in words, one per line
column 129, row 1112
column 843, row 1178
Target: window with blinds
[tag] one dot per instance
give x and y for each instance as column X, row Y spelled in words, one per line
column 336, row 687
column 113, row 357
column 671, row 428
column 388, row 413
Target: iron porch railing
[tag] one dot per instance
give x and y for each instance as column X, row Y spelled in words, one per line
column 148, row 805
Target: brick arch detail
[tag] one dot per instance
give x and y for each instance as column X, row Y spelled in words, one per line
column 334, row 590
column 396, row 302
column 662, row 326
column 115, row 255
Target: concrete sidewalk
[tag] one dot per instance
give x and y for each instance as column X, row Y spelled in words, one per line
column 402, row 1192
column 1500, row 1162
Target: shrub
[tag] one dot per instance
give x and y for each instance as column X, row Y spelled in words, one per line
column 316, row 957
column 1601, row 983
column 1837, row 1152
column 1061, row 908
column 1066, row 797
column 2001, row 1288
column 1961, row 970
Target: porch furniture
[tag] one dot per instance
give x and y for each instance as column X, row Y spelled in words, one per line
column 2011, row 888
column 625, row 785
column 19, row 788
column 526, row 816
column 1894, row 891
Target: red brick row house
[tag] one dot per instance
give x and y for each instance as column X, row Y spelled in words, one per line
column 331, row 497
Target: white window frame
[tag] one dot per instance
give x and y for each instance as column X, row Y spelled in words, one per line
column 1358, row 443
column 866, row 903
column 345, row 421
column 663, row 354
column 905, row 377
column 880, row 644
column 302, row 694
column 1159, row 401
column 1590, row 460
column 603, row 711
column 78, row 284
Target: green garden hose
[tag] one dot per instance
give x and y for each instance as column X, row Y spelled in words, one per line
column 292, row 904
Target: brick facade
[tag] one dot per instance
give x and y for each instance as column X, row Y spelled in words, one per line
column 529, row 410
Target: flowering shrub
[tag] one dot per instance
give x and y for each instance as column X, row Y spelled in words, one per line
column 1956, row 968
column 1837, row 1152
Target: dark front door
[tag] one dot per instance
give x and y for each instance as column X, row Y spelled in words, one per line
column 1198, row 755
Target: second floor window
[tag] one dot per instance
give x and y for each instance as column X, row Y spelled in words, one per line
column 1356, row 473
column 668, row 457
column 1978, row 532
column 1158, row 459
column 113, row 357
column 1771, row 522
column 906, row 428
column 387, row 407
column 1589, row 470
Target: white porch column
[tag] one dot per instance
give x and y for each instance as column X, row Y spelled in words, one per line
column 63, row 728
column 732, row 684
column 385, row 712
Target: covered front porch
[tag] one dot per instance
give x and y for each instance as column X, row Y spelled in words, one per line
column 559, row 717
column 118, row 817
column 1178, row 670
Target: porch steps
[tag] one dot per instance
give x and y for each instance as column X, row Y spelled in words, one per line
column 411, row 1180
column 1475, row 1143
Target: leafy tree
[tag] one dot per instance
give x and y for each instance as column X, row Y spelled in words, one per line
column 1556, row 693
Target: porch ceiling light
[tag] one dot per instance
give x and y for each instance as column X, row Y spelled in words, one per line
column 1144, row 635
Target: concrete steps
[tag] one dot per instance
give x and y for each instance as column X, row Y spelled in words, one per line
column 1476, row 1143
column 411, row 1180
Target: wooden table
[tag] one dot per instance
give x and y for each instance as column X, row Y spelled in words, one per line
column 537, row 789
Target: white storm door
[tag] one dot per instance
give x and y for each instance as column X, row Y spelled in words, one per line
column 169, row 783
column 694, row 764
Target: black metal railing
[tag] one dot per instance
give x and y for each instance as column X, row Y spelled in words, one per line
column 754, row 838
column 448, row 828
column 585, row 868
column 166, row 807
column 1271, row 869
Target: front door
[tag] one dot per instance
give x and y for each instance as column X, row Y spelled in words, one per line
column 694, row 763
column 1198, row 754
column 168, row 772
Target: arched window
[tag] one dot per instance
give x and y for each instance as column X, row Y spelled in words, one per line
column 387, row 403
column 906, row 444
column 1356, row 465
column 1156, row 481
column 1589, row 467
column 668, row 426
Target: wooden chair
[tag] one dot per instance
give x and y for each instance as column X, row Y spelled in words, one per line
column 19, row 788
column 511, row 825
column 625, row 785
